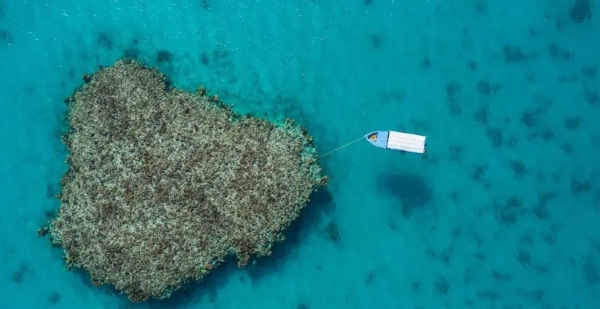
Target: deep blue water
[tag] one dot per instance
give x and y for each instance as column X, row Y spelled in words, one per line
column 504, row 211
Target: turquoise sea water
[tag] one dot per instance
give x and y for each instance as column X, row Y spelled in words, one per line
column 503, row 212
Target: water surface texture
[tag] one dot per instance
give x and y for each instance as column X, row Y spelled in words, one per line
column 503, row 212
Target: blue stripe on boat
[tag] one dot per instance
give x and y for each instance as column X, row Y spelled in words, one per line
column 381, row 138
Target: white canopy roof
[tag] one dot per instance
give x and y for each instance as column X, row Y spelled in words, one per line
column 406, row 142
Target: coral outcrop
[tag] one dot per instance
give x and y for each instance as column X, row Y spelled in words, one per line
column 163, row 184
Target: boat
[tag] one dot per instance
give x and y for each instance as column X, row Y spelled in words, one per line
column 397, row 141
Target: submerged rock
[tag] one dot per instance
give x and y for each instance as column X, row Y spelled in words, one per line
column 163, row 184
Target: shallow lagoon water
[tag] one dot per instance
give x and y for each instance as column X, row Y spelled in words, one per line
column 502, row 212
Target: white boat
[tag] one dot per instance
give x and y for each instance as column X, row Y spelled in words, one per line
column 397, row 141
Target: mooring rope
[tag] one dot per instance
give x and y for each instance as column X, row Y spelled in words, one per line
column 342, row 147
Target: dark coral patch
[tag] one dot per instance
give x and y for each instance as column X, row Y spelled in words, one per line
column 441, row 285
column 549, row 239
column 534, row 32
column 452, row 91
column 425, row 63
column 104, row 40
column 446, row 255
column 558, row 53
column 471, row 65
column 480, row 7
column 528, row 119
column 500, row 276
column 485, row 89
column 333, row 232
column 489, row 295
column 523, row 257
column 164, row 56
column 54, row 298
column 507, row 214
column 581, row 11
column 410, row 190
column 376, row 40
column 481, row 257
column 547, row 135
column 495, row 135
column 5, row 36
column 541, row 210
column 49, row 214
column 578, row 186
column 455, row 152
column 482, row 116
column 204, row 58
column 518, row 168
column 590, row 72
column 513, row 54
column 567, row 148
column 572, row 123
column 205, row 4
column 591, row 269
column 19, row 274
column 52, row 190
column 370, row 278
column 592, row 97
column 479, row 172
column 415, row 285
column 454, row 196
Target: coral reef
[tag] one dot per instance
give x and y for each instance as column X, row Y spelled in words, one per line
column 163, row 184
